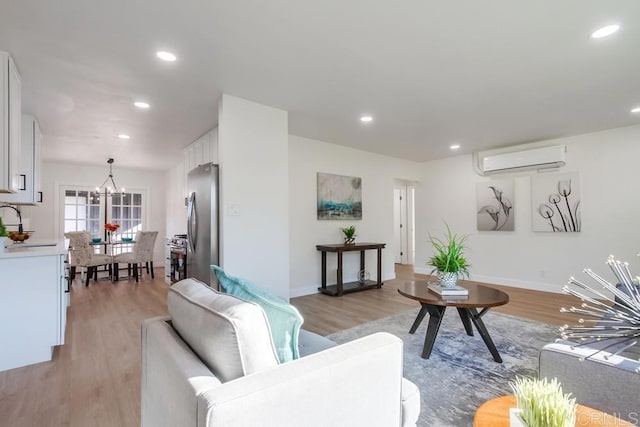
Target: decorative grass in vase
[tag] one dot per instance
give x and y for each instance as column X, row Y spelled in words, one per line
column 543, row 404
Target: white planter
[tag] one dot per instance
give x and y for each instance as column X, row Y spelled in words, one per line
column 447, row 280
column 4, row 241
column 514, row 418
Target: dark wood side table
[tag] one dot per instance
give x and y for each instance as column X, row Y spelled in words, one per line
column 479, row 297
column 495, row 413
column 342, row 288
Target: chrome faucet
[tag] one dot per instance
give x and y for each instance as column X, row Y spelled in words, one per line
column 20, row 229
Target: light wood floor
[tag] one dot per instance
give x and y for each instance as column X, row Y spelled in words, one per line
column 325, row 315
column 94, row 379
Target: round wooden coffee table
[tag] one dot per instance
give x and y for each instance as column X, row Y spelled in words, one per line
column 479, row 296
column 495, row 413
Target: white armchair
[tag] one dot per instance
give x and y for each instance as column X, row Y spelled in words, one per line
column 354, row 384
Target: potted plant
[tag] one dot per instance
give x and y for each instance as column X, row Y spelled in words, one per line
column 541, row 403
column 4, row 235
column 349, row 235
column 448, row 258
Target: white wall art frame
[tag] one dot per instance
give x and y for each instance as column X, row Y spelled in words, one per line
column 494, row 209
column 555, row 202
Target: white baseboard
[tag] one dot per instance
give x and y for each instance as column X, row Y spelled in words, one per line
column 517, row 283
column 508, row 281
column 300, row 292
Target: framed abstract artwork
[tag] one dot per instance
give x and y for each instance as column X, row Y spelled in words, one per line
column 555, row 201
column 494, row 205
column 339, row 197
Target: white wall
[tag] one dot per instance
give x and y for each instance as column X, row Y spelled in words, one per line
column 607, row 163
column 44, row 219
column 254, row 197
column 307, row 157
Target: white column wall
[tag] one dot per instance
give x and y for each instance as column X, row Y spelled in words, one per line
column 307, row 157
column 607, row 163
column 254, row 197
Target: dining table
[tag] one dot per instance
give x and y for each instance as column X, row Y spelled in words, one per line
column 109, row 250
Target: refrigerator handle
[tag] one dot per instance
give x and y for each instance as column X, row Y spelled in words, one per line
column 192, row 224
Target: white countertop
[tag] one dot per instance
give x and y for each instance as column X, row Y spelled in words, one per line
column 31, row 248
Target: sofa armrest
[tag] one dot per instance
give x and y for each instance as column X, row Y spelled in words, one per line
column 357, row 383
column 601, row 381
column 172, row 376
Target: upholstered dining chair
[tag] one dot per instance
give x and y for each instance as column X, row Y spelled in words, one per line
column 81, row 254
column 142, row 253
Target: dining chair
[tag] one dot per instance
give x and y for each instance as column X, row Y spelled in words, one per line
column 81, row 254
column 142, row 253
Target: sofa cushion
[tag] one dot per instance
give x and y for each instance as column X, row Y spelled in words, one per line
column 284, row 319
column 229, row 335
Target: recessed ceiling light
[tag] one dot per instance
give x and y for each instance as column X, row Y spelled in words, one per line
column 454, row 146
column 366, row 119
column 141, row 104
column 166, row 56
column 605, row 31
column 635, row 110
column 123, row 136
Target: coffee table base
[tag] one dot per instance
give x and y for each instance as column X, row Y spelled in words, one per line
column 467, row 316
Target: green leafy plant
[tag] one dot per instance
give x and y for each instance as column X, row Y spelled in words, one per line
column 349, row 232
column 3, row 229
column 349, row 235
column 543, row 404
column 448, row 254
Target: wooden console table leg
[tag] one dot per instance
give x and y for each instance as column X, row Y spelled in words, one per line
column 379, row 268
column 339, row 274
column 361, row 260
column 324, row 270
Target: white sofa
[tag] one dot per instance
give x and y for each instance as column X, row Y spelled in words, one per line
column 354, row 384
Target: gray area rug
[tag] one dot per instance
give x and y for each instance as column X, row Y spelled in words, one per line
column 461, row 374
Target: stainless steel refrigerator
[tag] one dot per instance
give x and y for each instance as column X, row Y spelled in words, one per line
column 202, row 223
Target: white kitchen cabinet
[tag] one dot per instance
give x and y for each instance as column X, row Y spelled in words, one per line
column 202, row 150
column 30, row 164
column 33, row 304
column 10, row 124
column 64, row 297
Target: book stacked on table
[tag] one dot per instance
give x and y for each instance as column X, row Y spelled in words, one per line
column 448, row 291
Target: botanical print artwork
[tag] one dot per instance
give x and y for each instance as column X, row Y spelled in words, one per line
column 339, row 197
column 556, row 202
column 495, row 206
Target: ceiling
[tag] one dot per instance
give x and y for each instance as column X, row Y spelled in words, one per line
column 431, row 73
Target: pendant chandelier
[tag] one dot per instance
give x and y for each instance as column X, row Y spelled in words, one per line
column 109, row 185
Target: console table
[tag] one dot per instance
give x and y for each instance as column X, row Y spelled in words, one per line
column 342, row 288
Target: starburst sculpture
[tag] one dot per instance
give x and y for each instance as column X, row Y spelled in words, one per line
column 613, row 320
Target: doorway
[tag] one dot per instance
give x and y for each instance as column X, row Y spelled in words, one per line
column 403, row 222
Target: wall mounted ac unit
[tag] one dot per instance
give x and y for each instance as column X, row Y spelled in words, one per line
column 536, row 158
